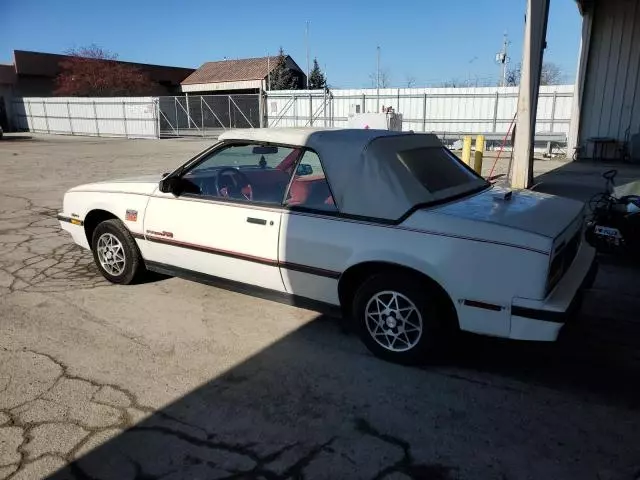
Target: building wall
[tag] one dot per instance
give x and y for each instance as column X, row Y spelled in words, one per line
column 6, row 113
column 40, row 86
column 611, row 101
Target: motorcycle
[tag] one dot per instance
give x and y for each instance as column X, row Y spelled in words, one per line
column 614, row 224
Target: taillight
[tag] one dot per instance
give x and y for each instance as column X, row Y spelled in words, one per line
column 555, row 272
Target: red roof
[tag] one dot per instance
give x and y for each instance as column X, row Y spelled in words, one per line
column 232, row 70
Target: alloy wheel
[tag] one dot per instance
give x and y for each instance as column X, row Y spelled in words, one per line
column 393, row 321
column 111, row 254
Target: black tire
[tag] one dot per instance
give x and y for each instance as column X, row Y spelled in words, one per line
column 434, row 317
column 133, row 265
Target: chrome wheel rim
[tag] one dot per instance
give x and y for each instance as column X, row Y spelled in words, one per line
column 393, row 321
column 111, row 254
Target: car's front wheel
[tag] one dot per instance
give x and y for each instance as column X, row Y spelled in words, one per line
column 400, row 319
column 115, row 252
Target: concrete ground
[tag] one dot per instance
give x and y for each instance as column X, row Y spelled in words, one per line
column 171, row 379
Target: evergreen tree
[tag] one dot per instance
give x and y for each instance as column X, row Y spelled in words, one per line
column 281, row 77
column 317, row 79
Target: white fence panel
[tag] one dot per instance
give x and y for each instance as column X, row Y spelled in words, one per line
column 82, row 118
column 131, row 117
column 450, row 111
column 38, row 117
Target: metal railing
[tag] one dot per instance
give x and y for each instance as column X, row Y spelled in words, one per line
column 206, row 115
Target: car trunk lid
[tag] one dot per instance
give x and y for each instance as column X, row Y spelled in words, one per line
column 548, row 215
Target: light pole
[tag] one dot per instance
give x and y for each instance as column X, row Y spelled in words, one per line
column 307, row 42
column 378, row 79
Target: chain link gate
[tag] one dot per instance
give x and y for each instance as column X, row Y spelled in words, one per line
column 207, row 115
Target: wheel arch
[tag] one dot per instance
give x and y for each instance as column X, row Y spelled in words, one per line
column 352, row 278
column 93, row 218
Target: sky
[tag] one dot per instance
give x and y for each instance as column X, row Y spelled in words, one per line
column 426, row 41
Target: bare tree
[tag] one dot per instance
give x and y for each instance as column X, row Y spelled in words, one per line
column 513, row 76
column 550, row 74
column 453, row 83
column 410, row 81
column 385, row 78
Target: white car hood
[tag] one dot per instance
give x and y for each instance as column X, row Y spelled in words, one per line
column 143, row 184
column 534, row 212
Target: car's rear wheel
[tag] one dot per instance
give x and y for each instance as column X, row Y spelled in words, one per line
column 115, row 252
column 400, row 318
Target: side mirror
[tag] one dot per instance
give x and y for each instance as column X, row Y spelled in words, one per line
column 171, row 185
column 304, row 169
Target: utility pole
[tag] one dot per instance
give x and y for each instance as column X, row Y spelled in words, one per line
column 502, row 59
column 535, row 33
column 307, row 42
column 378, row 79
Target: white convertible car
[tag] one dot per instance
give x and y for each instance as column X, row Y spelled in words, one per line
column 388, row 229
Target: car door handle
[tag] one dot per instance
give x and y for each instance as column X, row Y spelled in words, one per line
column 256, row 221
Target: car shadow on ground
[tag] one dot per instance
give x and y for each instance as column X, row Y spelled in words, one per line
column 315, row 404
column 15, row 138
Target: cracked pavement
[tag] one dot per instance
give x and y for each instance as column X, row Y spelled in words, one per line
column 171, row 379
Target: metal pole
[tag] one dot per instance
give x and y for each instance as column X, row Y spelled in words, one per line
column 46, row 119
column 30, row 123
column 124, row 116
column 331, row 109
column 364, row 104
column 307, row 42
column 229, row 100
column 186, row 101
column 69, row 115
column 424, row 113
column 95, row 115
column 398, row 109
column 378, row 79
column 495, row 111
column 324, row 108
column 261, row 106
column 175, row 104
column 158, row 133
column 310, row 110
column 201, row 116
column 553, row 111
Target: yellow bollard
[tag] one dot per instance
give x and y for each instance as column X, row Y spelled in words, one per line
column 466, row 150
column 477, row 163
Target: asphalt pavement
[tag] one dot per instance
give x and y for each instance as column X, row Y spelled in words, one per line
column 171, row 379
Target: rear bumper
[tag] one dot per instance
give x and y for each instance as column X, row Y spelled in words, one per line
column 542, row 320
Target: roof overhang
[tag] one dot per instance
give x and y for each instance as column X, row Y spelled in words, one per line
column 584, row 5
column 207, row 87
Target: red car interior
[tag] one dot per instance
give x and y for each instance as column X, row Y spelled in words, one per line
column 270, row 184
